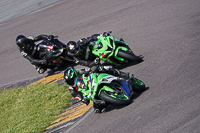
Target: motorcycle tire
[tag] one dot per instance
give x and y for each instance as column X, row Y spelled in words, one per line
column 128, row 56
column 109, row 97
column 139, row 86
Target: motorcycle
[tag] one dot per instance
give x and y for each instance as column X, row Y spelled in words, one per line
column 108, row 88
column 113, row 51
column 54, row 51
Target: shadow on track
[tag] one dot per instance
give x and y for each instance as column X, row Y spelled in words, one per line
column 115, row 106
column 133, row 63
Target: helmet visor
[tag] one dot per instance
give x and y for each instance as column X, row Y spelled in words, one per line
column 76, row 51
column 23, row 45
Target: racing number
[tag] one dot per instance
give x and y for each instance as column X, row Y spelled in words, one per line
column 23, row 53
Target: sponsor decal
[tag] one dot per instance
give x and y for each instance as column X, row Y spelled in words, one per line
column 50, row 47
column 89, row 95
column 102, row 55
column 88, row 82
column 78, row 98
column 23, row 53
column 109, row 77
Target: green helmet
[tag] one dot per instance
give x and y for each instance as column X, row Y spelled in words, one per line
column 69, row 75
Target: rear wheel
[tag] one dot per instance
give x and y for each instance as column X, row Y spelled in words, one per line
column 128, row 56
column 116, row 98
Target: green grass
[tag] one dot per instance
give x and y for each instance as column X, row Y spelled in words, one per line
column 32, row 109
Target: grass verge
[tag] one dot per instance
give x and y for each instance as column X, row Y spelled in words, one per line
column 32, row 109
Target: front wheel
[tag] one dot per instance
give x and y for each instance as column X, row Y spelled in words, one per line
column 138, row 86
column 116, row 98
column 129, row 56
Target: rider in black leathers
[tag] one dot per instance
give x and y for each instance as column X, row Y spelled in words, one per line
column 81, row 52
column 71, row 75
column 28, row 49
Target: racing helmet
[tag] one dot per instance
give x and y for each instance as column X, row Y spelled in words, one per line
column 21, row 41
column 73, row 48
column 69, row 75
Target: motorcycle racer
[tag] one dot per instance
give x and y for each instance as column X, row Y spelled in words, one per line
column 81, row 51
column 29, row 50
column 71, row 77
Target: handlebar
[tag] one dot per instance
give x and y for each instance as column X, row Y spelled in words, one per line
column 92, row 64
column 55, row 37
column 105, row 34
column 95, row 62
column 51, row 37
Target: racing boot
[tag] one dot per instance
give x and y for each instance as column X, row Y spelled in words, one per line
column 87, row 102
column 100, row 106
column 40, row 69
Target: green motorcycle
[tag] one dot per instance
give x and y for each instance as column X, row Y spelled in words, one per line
column 109, row 88
column 113, row 51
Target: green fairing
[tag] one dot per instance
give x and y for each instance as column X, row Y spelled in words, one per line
column 115, row 95
column 102, row 75
column 109, row 90
column 108, row 50
column 89, row 86
column 106, row 43
column 106, row 88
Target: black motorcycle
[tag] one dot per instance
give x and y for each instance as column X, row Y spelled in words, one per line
column 54, row 51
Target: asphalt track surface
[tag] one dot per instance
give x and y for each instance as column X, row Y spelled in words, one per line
column 166, row 33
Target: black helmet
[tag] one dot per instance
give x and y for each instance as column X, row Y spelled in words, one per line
column 69, row 75
column 73, row 48
column 21, row 41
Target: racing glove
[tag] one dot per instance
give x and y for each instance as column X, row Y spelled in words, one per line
column 105, row 34
column 50, row 37
column 80, row 98
column 44, row 62
column 82, row 41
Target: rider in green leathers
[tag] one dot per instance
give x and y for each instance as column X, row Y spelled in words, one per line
column 71, row 77
column 81, row 51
